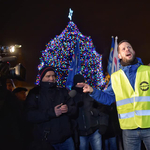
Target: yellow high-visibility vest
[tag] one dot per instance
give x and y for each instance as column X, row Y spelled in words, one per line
column 133, row 106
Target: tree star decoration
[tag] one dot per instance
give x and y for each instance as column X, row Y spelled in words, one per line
column 70, row 14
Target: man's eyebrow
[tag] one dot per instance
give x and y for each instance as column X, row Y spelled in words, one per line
column 51, row 75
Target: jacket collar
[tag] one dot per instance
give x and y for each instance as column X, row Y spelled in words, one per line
column 48, row 85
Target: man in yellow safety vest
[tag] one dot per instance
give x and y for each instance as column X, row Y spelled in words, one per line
column 130, row 88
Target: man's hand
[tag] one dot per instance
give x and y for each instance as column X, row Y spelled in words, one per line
column 64, row 108
column 57, row 110
column 86, row 87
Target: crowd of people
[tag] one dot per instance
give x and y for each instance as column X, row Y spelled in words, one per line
column 50, row 118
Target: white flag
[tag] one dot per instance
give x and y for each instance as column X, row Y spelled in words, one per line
column 115, row 63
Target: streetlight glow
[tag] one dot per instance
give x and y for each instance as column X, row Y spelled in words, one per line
column 12, row 49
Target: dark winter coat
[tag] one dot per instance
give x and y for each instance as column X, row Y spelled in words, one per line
column 89, row 115
column 113, row 126
column 40, row 111
column 10, row 121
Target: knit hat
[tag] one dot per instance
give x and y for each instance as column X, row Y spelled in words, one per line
column 43, row 71
column 78, row 78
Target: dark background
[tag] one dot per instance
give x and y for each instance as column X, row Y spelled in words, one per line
column 34, row 23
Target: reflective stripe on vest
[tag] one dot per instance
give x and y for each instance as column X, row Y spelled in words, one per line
column 131, row 114
column 130, row 100
column 133, row 106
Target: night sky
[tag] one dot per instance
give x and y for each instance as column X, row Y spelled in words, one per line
column 34, row 23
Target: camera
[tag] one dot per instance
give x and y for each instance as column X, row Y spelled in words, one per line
column 18, row 72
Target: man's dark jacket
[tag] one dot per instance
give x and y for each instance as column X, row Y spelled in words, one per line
column 89, row 117
column 40, row 105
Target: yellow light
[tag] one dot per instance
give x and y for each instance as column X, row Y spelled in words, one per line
column 18, row 46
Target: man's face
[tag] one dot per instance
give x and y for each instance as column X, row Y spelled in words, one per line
column 9, row 87
column 21, row 95
column 126, row 52
column 49, row 77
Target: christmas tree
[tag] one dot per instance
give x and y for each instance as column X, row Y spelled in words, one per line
column 59, row 51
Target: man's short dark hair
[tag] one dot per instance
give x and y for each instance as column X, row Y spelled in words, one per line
column 19, row 89
column 121, row 43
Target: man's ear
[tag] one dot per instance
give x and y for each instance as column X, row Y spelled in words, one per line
column 119, row 56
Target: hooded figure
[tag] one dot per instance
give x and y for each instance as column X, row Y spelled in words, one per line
column 88, row 117
column 78, row 78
